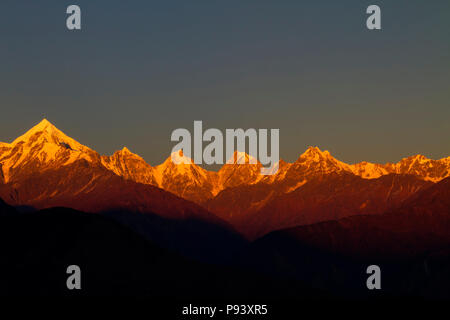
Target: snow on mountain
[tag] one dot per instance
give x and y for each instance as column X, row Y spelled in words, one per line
column 41, row 148
column 238, row 170
column 45, row 147
column 178, row 157
column 177, row 164
column 130, row 166
column 185, row 179
column 369, row 170
column 320, row 162
column 427, row 169
column 240, row 157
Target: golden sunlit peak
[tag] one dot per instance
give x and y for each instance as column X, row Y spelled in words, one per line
column 240, row 157
column 47, row 134
column 43, row 126
column 315, row 150
column 417, row 157
column 127, row 153
column 44, row 121
column 314, row 153
column 178, row 157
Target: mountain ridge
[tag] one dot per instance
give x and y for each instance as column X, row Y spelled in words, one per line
column 44, row 167
column 44, row 146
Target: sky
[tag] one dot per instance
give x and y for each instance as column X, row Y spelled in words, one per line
column 140, row 69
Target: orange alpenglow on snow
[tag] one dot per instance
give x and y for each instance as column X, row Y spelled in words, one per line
column 45, row 147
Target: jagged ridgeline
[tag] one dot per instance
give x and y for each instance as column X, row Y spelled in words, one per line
column 45, row 167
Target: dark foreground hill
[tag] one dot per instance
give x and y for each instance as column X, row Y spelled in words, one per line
column 160, row 216
column 37, row 248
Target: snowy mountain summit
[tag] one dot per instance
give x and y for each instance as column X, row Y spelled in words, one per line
column 45, row 147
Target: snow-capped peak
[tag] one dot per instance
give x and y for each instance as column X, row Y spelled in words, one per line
column 316, row 162
column 125, row 152
column 44, row 126
column 178, row 157
column 42, row 146
column 315, row 154
column 46, row 132
column 177, row 164
column 181, row 176
column 242, row 158
column 368, row 170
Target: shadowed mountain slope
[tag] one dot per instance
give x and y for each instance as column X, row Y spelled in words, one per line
column 411, row 244
column 37, row 248
column 326, row 197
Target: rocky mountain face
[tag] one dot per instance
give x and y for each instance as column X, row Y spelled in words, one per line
column 130, row 166
column 317, row 188
column 42, row 148
column 44, row 167
column 84, row 187
column 194, row 183
column 419, row 226
column 5, row 209
column 331, row 197
column 409, row 243
column 418, row 165
column 427, row 169
column 241, row 169
column 185, row 179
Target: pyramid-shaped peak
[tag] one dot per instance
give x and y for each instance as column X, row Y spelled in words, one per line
column 240, row 157
column 417, row 157
column 45, row 122
column 420, row 156
column 126, row 150
column 315, row 152
column 46, row 132
column 178, row 157
column 43, row 125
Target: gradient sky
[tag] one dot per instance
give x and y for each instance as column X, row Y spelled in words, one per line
column 140, row 69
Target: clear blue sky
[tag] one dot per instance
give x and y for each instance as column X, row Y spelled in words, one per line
column 139, row 69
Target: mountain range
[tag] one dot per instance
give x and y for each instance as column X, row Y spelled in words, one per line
column 46, row 168
column 313, row 227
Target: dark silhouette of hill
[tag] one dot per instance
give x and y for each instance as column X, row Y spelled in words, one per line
column 90, row 187
column 192, row 238
column 6, row 210
column 159, row 215
column 37, row 248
